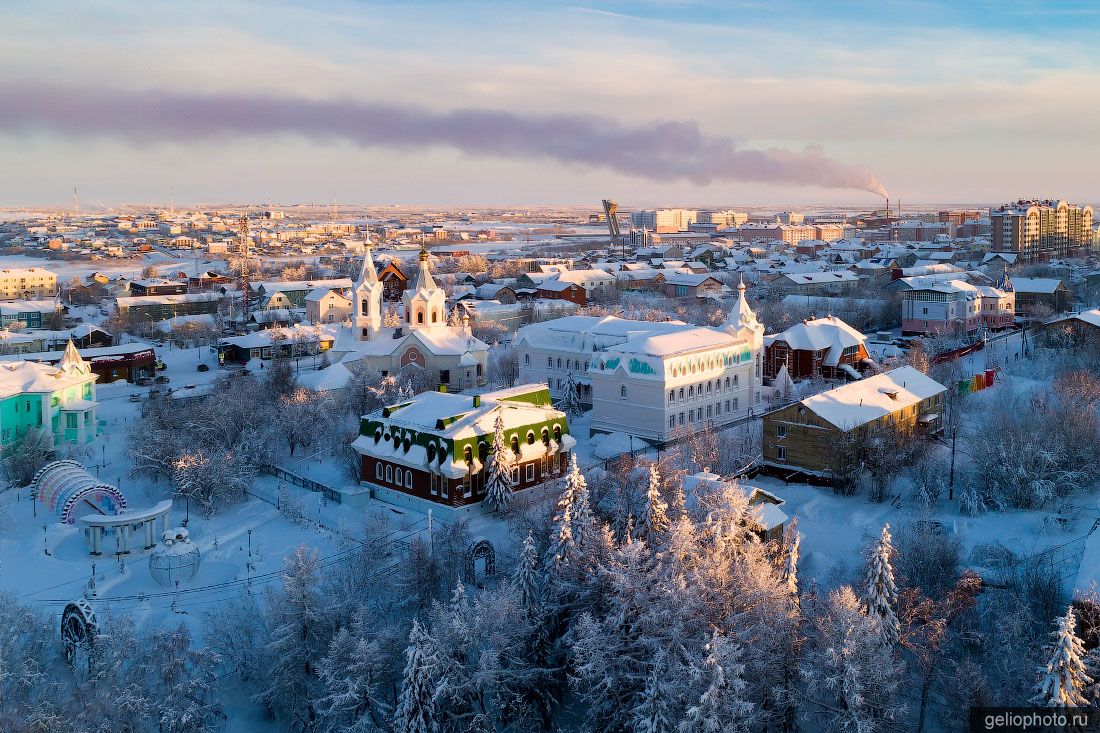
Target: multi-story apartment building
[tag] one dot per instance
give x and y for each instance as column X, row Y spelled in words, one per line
column 664, row 220
column 723, row 219
column 27, row 283
column 1041, row 230
column 651, row 380
column 58, row 400
column 932, row 306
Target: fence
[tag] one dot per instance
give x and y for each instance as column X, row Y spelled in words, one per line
column 306, row 483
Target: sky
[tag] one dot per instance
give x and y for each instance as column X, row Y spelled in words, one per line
column 650, row 102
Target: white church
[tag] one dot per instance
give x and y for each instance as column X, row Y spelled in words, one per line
column 655, row 381
column 423, row 344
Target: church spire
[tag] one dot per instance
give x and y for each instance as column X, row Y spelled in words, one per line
column 71, row 361
column 424, row 280
column 742, row 314
column 367, row 275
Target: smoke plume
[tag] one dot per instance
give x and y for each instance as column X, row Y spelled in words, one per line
column 659, row 150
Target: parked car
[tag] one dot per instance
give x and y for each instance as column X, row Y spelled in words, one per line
column 135, row 398
column 145, row 382
column 203, row 368
column 161, row 379
column 154, row 393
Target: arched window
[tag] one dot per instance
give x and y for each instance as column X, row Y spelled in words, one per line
column 389, row 474
column 468, row 456
column 419, row 316
column 727, row 382
column 549, row 361
column 559, row 362
column 482, row 451
column 586, row 366
column 431, row 452
column 671, row 396
column 622, row 392
column 530, row 437
column 681, row 393
column 526, row 358
column 408, row 479
column 363, row 306
column 515, row 444
column 557, row 433
column 545, row 436
column 734, row 380
column 708, row 387
column 435, row 316
column 378, row 471
column 691, row 391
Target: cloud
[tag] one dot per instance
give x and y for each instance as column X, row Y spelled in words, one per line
column 660, row 151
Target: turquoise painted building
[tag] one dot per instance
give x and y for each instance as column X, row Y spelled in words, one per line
column 58, row 399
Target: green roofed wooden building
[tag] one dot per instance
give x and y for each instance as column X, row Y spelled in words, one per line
column 435, row 447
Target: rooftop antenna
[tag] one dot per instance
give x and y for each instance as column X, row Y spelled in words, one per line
column 334, row 207
column 171, row 199
column 76, row 202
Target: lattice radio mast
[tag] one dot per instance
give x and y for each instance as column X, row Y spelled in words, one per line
column 242, row 229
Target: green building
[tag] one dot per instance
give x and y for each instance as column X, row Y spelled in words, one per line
column 58, row 399
column 434, row 447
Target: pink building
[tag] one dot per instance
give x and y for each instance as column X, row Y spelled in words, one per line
column 954, row 306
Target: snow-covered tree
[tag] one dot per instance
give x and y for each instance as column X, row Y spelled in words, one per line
column 498, row 485
column 783, row 385
column 653, row 524
column 182, row 679
column 299, row 636
column 790, row 564
column 352, row 699
column 570, row 401
column 21, row 458
column 422, row 684
column 572, row 519
column 881, row 596
column 852, row 677
column 391, row 319
column 527, row 578
column 1063, row 680
column 722, row 708
column 652, row 713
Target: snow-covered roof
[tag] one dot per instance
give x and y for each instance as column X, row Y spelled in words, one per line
column 819, row 334
column 21, row 377
column 1046, row 285
column 835, row 276
column 858, row 403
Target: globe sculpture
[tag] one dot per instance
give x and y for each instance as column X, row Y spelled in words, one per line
column 175, row 558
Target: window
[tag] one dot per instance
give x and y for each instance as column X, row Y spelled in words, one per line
column 378, row 471
column 526, row 358
column 718, row 408
column 515, row 444
column 734, row 380
column 781, row 431
column 420, row 316
column 445, row 376
column 727, row 382
column 530, row 471
column 735, row 403
column 708, row 387
column 549, row 361
column 559, row 363
column 389, row 474
column 435, row 316
column 435, row 484
column 530, row 437
column 672, row 422
column 622, row 392
column 431, row 452
column 515, row 475
column 691, row 415
column 545, row 436
column 691, row 391
column 681, row 418
column 709, row 411
column 671, row 396
column 781, row 453
column 681, row 393
column 468, row 457
column 586, row 366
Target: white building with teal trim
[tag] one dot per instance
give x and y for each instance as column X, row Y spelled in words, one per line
column 58, row 399
column 655, row 381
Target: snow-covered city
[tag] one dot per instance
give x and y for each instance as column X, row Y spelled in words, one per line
column 274, row 458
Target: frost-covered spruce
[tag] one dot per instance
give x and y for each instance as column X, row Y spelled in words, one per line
column 790, row 567
column 572, row 518
column 722, row 707
column 498, row 487
column 1063, row 681
column 570, row 402
column 416, row 706
column 653, row 524
column 881, row 597
column 526, row 579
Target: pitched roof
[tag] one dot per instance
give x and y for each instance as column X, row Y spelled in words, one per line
column 867, row 400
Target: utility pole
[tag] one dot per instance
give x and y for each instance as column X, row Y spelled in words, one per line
column 951, row 480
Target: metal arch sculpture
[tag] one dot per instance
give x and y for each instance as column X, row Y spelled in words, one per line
column 481, row 549
column 79, row 629
column 63, row 486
